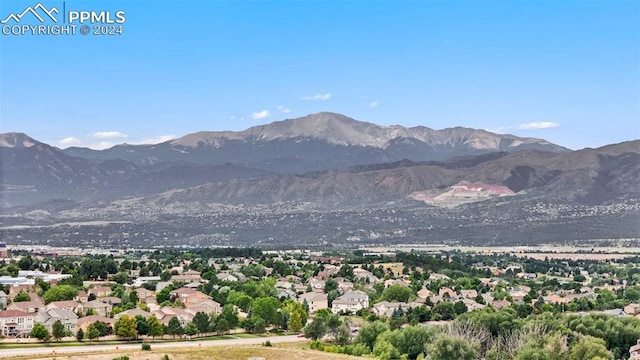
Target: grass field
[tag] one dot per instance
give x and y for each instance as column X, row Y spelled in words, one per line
column 285, row 351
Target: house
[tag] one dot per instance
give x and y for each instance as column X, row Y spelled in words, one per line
column 84, row 322
column 634, row 351
column 286, row 294
column 145, row 295
column 436, row 276
column 632, row 309
column 31, row 307
column 472, row 305
column 359, row 273
column 3, row 299
column 392, row 282
column 314, row 300
column 165, row 314
column 189, row 296
column 446, row 291
column 99, row 307
column 82, row 297
column 187, row 276
column 316, row 284
column 67, row 317
column 16, row 323
column 497, row 305
column 225, row 276
column 207, row 306
column 386, row 308
column 99, row 291
column 350, row 302
column 132, row 313
column 70, row 305
column 424, row 293
column 469, row 294
column 111, row 300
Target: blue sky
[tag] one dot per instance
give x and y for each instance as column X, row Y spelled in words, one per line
column 566, row 71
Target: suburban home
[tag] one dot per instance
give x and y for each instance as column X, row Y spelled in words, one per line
column 68, row 318
column 99, row 291
column 111, row 300
column 314, row 300
column 436, row 276
column 360, row 273
column 16, row 323
column 145, row 295
column 350, row 302
column 66, row 305
column 447, row 291
column 84, row 322
column 31, row 307
column 469, row 294
column 207, row 306
column 497, row 305
column 632, row 309
column 634, row 351
column 166, row 313
column 132, row 313
column 99, row 307
column 386, row 308
column 187, row 276
column 82, row 297
column 189, row 296
column 225, row 276
column 424, row 293
column 3, row 299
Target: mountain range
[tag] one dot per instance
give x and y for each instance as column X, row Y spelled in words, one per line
column 322, row 162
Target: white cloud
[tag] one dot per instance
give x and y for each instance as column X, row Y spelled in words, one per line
column 261, row 115
column 101, row 145
column 372, row 105
column 283, row 110
column 232, row 117
column 156, row 140
column 538, row 125
column 107, row 135
column 322, row 97
column 68, row 141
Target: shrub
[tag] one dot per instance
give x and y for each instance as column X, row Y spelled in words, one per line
column 165, row 357
column 316, row 345
column 121, row 358
column 146, row 347
column 267, row 343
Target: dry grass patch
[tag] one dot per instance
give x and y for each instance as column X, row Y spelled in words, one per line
column 285, row 351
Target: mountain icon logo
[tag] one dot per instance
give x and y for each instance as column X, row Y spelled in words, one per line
column 34, row 10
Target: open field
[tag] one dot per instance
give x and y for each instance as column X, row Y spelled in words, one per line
column 282, row 351
column 536, row 252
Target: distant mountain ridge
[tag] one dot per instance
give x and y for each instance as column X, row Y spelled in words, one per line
column 318, row 142
column 323, row 158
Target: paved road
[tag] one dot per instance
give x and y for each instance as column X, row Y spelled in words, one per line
column 122, row 347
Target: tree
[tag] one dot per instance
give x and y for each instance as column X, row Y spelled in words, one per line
column 155, row 327
column 92, row 332
column 80, row 334
column 230, row 316
column 133, row 298
column 60, row 293
column 142, row 327
column 267, row 309
column 369, row 333
column 589, row 348
column 342, row 335
column 316, row 329
column 460, row 308
column 57, row 330
column 103, row 328
column 201, row 321
column 174, row 327
column 40, row 332
column 447, row 347
column 190, row 329
column 22, row 296
column 397, row 293
column 221, row 325
column 126, row 327
column 259, row 325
